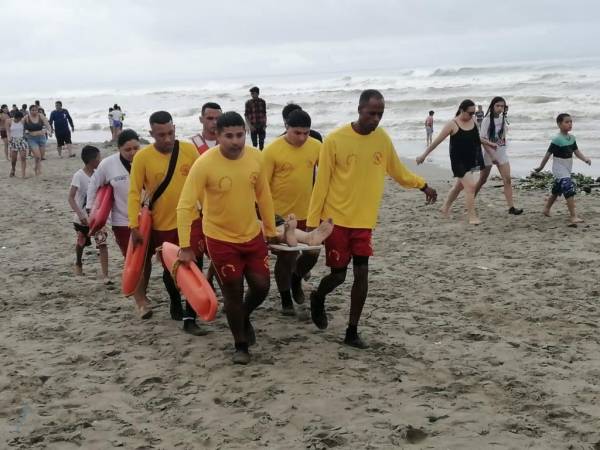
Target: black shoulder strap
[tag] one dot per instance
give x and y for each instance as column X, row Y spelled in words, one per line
column 163, row 186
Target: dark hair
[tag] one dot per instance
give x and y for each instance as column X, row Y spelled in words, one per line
column 287, row 109
column 298, row 118
column 230, row 119
column 89, row 153
column 561, row 117
column 464, row 105
column 210, row 105
column 110, row 109
column 160, row 117
column 18, row 115
column 37, row 103
column 24, row 106
column 491, row 131
column 3, row 106
column 431, row 113
column 126, row 136
column 367, row 95
column 58, row 102
column 255, row 89
column 115, row 106
column 33, row 106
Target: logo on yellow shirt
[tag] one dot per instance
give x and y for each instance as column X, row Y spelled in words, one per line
column 377, row 158
column 351, row 159
column 284, row 170
column 225, row 184
column 253, row 178
column 184, row 170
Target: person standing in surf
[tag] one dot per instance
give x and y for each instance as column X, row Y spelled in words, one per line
column 256, row 117
column 494, row 128
column 479, row 114
column 429, row 127
column 353, row 163
column 150, row 170
column 465, row 157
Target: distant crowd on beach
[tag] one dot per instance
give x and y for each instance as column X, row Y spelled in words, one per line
column 230, row 203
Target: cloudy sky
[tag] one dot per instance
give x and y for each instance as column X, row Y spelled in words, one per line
column 62, row 45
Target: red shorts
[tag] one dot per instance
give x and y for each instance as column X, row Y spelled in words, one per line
column 196, row 238
column 343, row 243
column 231, row 260
column 122, row 237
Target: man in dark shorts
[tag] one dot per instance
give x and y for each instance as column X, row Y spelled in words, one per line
column 256, row 117
column 353, row 163
column 60, row 119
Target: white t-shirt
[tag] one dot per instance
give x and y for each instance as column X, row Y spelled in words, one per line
column 498, row 123
column 117, row 115
column 111, row 170
column 81, row 181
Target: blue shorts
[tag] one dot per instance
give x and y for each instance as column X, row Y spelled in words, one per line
column 564, row 186
column 117, row 124
column 36, row 142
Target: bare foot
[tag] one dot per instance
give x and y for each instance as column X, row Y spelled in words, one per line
column 576, row 219
column 289, row 231
column 78, row 270
column 445, row 212
column 474, row 220
column 107, row 281
column 319, row 234
column 546, row 212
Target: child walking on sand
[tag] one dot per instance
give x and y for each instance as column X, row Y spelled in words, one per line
column 77, row 199
column 562, row 148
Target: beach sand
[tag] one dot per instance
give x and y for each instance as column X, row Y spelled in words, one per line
column 481, row 337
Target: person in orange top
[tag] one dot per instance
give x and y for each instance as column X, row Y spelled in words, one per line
column 148, row 170
column 290, row 162
column 352, row 167
column 228, row 181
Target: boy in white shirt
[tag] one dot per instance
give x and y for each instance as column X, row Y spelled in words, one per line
column 77, row 200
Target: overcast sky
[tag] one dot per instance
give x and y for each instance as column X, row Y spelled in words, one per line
column 87, row 44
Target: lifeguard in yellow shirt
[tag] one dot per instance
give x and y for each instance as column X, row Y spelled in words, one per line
column 290, row 162
column 148, row 170
column 229, row 180
column 352, row 167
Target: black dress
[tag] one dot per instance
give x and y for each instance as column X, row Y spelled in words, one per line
column 465, row 151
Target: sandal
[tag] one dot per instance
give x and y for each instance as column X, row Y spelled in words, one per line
column 144, row 312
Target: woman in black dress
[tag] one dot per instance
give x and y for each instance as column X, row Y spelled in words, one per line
column 465, row 157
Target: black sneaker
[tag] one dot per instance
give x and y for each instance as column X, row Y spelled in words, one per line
column 317, row 311
column 250, row 333
column 355, row 342
column 515, row 211
column 191, row 327
column 297, row 291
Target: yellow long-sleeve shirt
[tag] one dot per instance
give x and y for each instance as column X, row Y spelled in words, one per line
column 350, row 179
column 148, row 169
column 289, row 171
column 228, row 190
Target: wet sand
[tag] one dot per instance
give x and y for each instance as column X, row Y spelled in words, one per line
column 481, row 337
